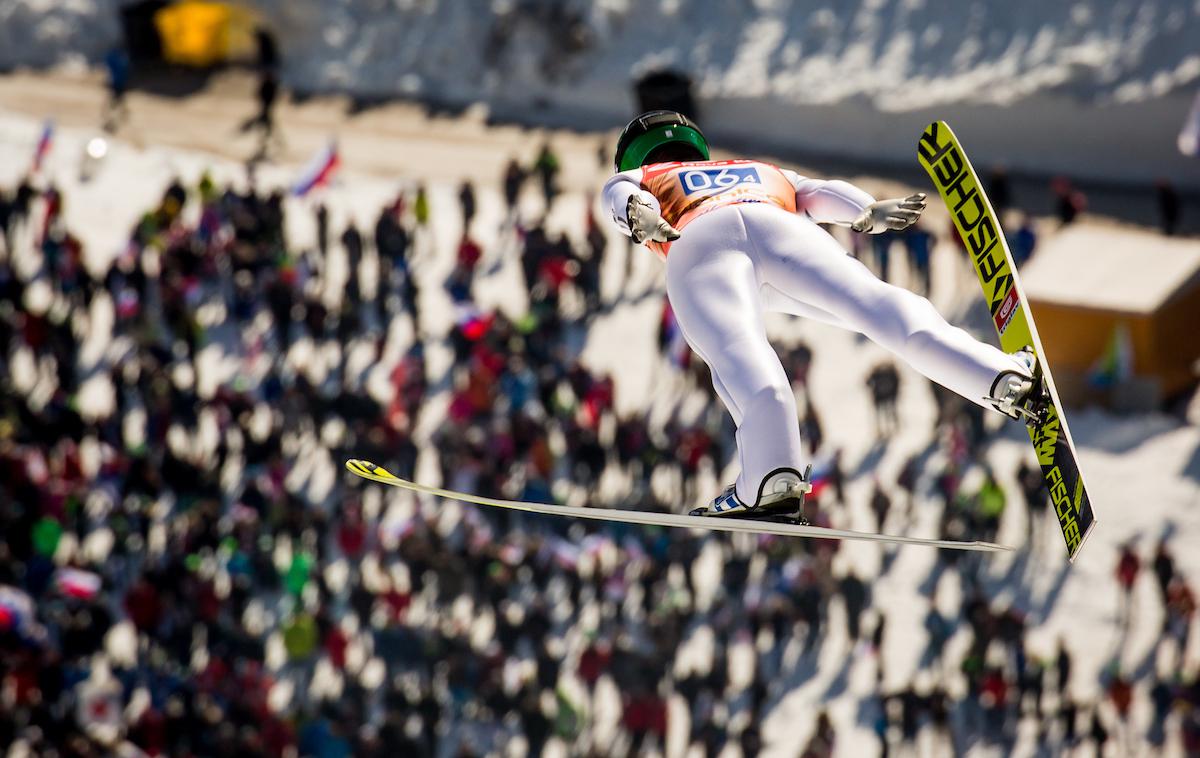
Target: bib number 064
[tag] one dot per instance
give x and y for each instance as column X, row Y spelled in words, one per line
column 697, row 180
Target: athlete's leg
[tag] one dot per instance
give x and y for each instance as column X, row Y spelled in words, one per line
column 801, row 260
column 714, row 291
column 780, row 302
column 726, row 399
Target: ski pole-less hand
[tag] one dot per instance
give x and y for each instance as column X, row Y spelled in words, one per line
column 645, row 222
column 890, row 215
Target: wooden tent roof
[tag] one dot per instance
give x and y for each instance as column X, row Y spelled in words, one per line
column 1111, row 268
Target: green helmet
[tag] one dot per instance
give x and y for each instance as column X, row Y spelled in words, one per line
column 656, row 129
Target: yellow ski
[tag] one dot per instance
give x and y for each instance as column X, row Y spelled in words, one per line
column 956, row 181
column 368, row 470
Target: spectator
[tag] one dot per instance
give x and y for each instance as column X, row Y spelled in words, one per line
column 1069, row 714
column 810, row 430
column 999, row 191
column 466, row 201
column 116, row 62
column 906, row 480
column 994, row 690
column 1037, row 500
column 880, row 505
column 1181, row 606
column 322, row 217
column 1163, row 698
column 1128, row 567
column 1120, row 694
column 1098, row 732
column 990, row 502
column 822, row 743
column 881, row 244
column 546, row 166
column 1164, row 568
column 392, row 237
column 1024, row 242
column 798, row 362
column 940, row 630
column 1062, row 669
column 421, row 207
column 1168, row 206
column 920, row 247
column 264, row 120
column 854, row 592
column 469, row 254
column 352, row 242
column 1068, row 201
column 597, row 245
column 884, row 384
column 514, row 177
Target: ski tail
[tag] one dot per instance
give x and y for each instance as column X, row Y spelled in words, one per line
column 943, row 158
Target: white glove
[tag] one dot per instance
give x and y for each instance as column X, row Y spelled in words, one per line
column 645, row 223
column 895, row 215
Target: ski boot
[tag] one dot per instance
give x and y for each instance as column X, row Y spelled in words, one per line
column 1022, row 396
column 780, row 498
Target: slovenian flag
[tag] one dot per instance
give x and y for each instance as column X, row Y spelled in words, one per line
column 16, row 610
column 319, row 171
column 77, row 583
column 43, row 145
column 1116, row 364
column 821, row 475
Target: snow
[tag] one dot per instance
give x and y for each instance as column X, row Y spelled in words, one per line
column 48, row 32
column 859, row 81
column 1143, row 471
column 1111, row 268
column 898, row 55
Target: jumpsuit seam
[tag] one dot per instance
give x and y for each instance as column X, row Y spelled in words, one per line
column 756, row 256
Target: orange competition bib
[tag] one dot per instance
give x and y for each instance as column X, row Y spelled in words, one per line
column 686, row 191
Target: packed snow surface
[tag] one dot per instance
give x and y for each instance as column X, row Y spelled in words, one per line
column 1142, row 471
column 1050, row 87
column 898, row 54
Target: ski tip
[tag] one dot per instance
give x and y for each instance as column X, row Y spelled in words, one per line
column 368, row 470
column 360, row 467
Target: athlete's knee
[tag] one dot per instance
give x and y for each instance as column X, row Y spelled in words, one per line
column 922, row 340
column 902, row 317
column 774, row 395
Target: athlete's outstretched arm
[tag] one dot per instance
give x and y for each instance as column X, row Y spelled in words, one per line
column 839, row 202
column 829, row 202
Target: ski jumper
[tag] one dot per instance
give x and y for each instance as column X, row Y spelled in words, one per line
column 749, row 243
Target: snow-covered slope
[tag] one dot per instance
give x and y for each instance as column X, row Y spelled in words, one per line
column 1142, row 470
column 1040, row 86
column 897, row 54
column 48, row 32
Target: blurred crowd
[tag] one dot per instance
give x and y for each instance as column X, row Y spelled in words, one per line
column 185, row 570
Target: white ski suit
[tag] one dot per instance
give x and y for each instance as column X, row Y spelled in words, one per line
column 750, row 243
